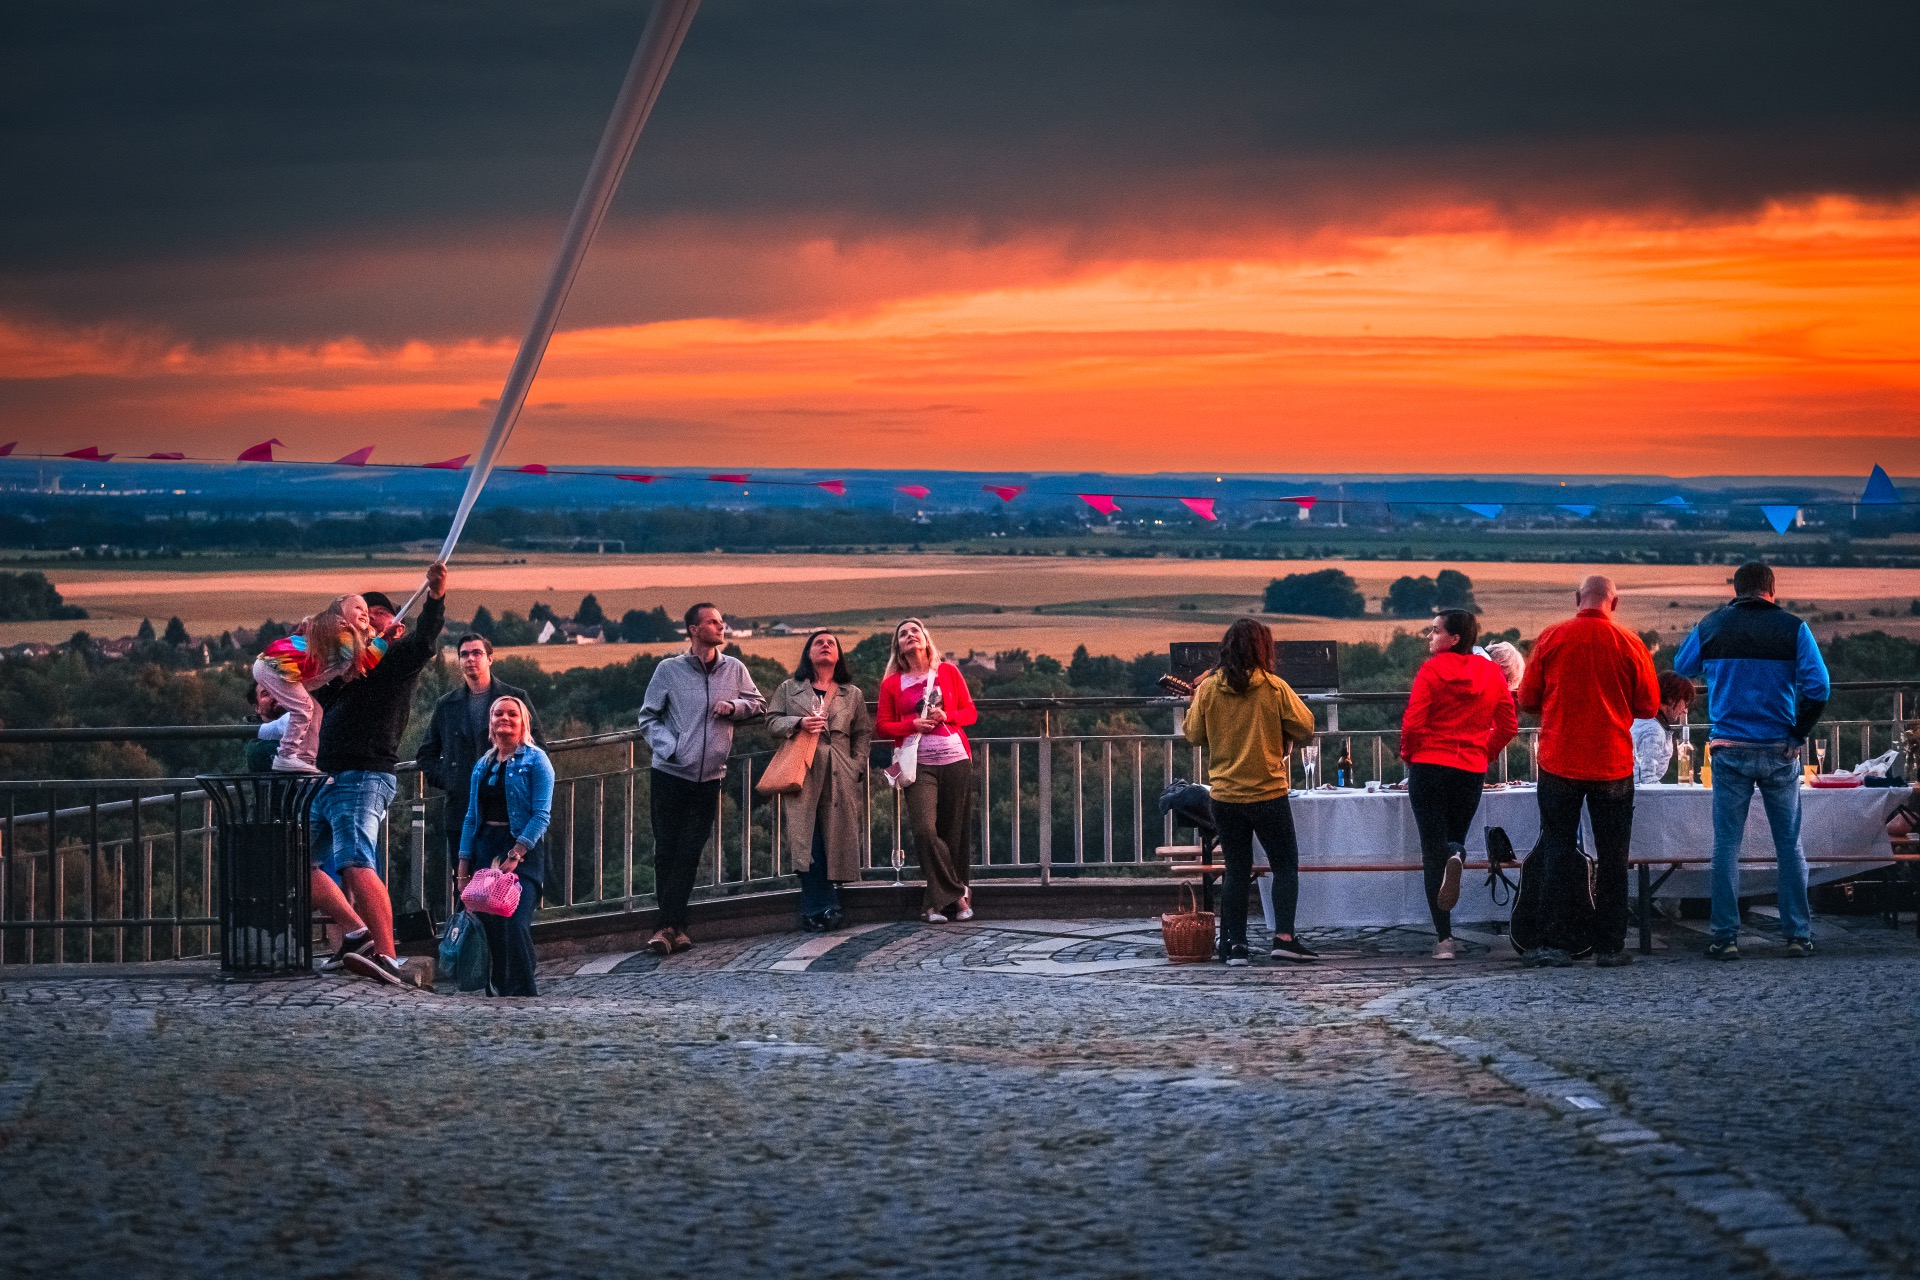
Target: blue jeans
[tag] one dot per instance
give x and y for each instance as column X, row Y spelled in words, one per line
column 345, row 826
column 1775, row 769
column 817, row 893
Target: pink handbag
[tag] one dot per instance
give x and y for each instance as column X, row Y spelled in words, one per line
column 492, row 892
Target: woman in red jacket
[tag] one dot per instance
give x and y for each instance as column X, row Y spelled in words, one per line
column 1460, row 714
column 925, row 698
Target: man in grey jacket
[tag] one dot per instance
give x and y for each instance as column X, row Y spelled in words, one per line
column 692, row 704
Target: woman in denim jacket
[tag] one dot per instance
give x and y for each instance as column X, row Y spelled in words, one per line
column 508, row 809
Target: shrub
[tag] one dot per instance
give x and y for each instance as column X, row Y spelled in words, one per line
column 1328, row 593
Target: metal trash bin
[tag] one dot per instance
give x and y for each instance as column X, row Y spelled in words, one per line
column 260, row 846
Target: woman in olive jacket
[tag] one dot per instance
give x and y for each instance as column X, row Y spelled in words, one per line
column 821, row 824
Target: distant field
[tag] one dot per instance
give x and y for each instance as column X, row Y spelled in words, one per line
column 1111, row 606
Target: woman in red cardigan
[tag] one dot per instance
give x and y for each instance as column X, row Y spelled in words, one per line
column 1459, row 714
column 924, row 697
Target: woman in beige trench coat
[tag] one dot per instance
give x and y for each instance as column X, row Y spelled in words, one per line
column 821, row 824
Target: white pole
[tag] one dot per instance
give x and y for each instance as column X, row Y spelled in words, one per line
column 659, row 43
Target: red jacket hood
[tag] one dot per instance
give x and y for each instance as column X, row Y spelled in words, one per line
column 1466, row 672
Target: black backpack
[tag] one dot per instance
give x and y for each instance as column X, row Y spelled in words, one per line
column 1529, row 926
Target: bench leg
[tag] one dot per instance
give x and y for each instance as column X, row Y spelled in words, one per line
column 1646, row 911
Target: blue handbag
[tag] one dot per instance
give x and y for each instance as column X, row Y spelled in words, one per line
column 464, row 958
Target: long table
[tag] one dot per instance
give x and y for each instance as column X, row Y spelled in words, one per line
column 1347, row 828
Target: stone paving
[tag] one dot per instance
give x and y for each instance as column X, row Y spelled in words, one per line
column 1012, row 1098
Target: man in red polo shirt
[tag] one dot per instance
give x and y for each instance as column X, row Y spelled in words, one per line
column 1588, row 679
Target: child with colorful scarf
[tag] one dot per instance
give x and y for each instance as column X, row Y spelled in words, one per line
column 338, row 641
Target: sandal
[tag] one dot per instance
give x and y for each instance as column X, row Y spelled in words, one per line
column 965, row 906
column 932, row 917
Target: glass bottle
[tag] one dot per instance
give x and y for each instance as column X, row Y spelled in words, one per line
column 1706, row 767
column 1685, row 754
column 1343, row 769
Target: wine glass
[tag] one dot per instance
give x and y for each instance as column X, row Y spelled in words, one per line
column 1820, row 754
column 1310, row 764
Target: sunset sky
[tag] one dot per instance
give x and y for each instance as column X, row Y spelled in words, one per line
column 1363, row 238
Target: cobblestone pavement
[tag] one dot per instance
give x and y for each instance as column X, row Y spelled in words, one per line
column 1030, row 1098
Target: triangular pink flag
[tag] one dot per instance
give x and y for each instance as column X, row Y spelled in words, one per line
column 1305, row 504
column 532, row 469
column 1202, row 507
column 358, row 458
column 912, row 490
column 838, row 488
column 167, row 457
column 1101, row 502
column 7, row 448
column 262, row 452
column 729, row 479
column 451, row 464
column 638, row 479
column 1005, row 492
column 89, row 454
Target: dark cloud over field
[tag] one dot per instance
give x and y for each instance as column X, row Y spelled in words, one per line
column 400, row 168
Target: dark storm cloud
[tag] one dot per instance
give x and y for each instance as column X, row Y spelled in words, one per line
column 139, row 135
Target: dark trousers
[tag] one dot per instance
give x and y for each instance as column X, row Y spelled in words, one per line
column 1610, row 807
column 509, row 938
column 1444, row 802
column 940, row 813
column 683, row 815
column 1272, row 821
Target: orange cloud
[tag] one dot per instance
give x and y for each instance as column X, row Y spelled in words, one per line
column 1781, row 343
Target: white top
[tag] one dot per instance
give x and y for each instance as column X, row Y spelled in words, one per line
column 274, row 730
column 1652, row 750
column 935, row 748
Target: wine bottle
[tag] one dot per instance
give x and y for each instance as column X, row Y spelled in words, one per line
column 1343, row 768
column 1685, row 753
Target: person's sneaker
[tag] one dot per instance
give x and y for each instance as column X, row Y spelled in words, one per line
column 1292, row 949
column 1449, row 896
column 814, row 923
column 1443, row 949
column 1723, row 949
column 836, row 919
column 681, row 942
column 932, row 917
column 378, row 968
column 661, row 943
column 1546, row 958
column 1613, row 959
column 1799, row 948
column 963, row 909
column 360, row 943
column 1235, row 955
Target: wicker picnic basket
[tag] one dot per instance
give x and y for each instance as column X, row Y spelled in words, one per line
column 1188, row 934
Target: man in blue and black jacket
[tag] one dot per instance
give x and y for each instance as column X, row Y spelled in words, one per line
column 1766, row 687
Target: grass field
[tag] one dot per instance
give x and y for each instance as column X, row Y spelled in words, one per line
column 1038, row 603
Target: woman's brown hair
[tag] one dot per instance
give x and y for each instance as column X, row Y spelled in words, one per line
column 1461, row 625
column 1247, row 647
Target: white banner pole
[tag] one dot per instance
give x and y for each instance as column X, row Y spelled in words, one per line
column 659, row 43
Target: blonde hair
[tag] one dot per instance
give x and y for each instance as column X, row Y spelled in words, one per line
column 526, row 720
column 1509, row 661
column 330, row 637
column 895, row 665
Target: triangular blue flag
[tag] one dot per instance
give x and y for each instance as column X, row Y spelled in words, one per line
column 1675, row 501
column 1486, row 510
column 1581, row 509
column 1781, row 518
column 1879, row 490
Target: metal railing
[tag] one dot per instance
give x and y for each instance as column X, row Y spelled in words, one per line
column 122, row 869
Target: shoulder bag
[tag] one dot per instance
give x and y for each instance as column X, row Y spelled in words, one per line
column 906, row 757
column 786, row 773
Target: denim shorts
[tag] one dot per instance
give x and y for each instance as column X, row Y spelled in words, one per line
column 344, row 830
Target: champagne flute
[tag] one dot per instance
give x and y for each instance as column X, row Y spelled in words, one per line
column 1820, row 754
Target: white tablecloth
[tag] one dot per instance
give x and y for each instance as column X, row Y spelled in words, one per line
column 1357, row 826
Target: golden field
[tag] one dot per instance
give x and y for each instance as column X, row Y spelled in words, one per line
column 972, row 602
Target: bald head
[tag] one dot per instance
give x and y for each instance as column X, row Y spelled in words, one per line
column 1596, row 592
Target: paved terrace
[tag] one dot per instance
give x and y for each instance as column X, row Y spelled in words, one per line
column 1030, row 1098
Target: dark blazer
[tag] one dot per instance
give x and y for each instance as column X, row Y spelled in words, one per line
column 448, row 753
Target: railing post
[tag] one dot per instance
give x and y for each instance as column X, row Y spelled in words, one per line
column 417, row 843
column 626, row 833
column 1046, row 797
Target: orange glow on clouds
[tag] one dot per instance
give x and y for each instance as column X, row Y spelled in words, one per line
column 1782, row 343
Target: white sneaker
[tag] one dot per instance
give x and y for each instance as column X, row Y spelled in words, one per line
column 966, row 909
column 1443, row 949
column 1449, row 895
column 933, row 917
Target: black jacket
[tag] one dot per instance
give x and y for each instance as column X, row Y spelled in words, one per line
column 448, row 752
column 366, row 718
